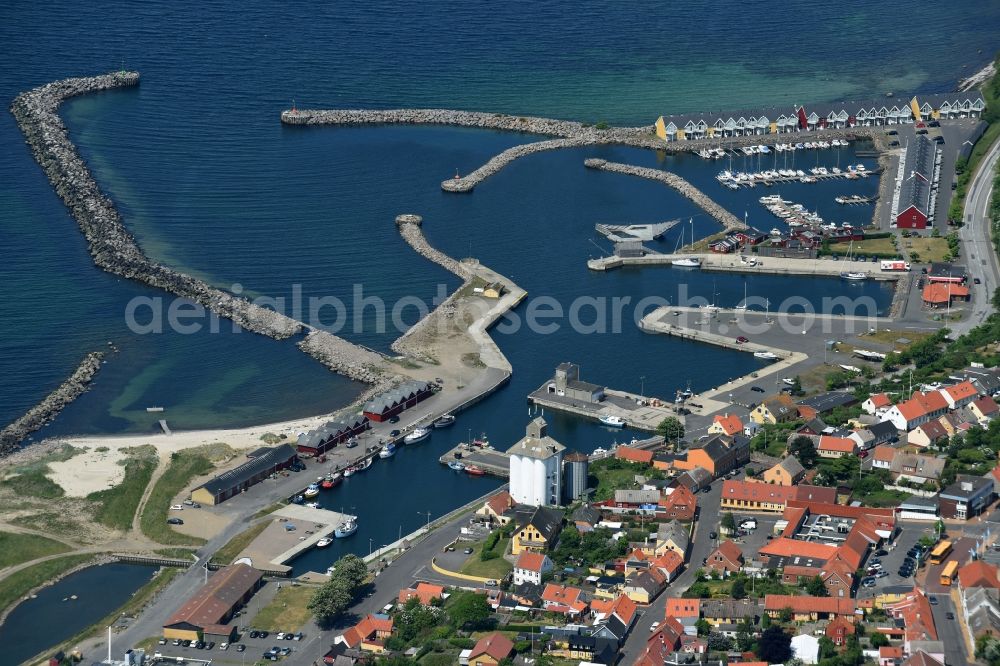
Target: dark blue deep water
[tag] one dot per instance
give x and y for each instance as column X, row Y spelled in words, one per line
column 211, row 183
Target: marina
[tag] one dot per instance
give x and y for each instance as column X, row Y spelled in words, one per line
column 737, row 179
column 293, row 530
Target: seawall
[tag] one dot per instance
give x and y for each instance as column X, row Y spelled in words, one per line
column 116, row 251
column 52, row 404
column 685, row 188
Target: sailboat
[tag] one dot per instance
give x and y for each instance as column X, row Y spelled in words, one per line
column 743, row 305
column 854, row 276
column 686, row 262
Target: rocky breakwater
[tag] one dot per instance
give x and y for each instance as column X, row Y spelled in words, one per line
column 113, row 248
column 573, row 134
column 39, row 415
column 702, row 200
column 410, row 230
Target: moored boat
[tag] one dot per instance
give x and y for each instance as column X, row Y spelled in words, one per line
column 324, row 542
column 311, row 491
column 388, row 451
column 346, row 528
column 365, row 465
column 612, row 420
column 686, row 262
column 766, row 355
column 473, row 470
column 418, row 435
column 444, row 421
column 349, row 472
column 854, row 276
column 457, row 466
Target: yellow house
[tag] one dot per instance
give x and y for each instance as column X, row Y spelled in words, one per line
column 787, row 472
column 536, row 531
column 661, row 129
column 776, row 409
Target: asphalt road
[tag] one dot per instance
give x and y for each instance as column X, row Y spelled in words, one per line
column 949, row 631
column 980, row 256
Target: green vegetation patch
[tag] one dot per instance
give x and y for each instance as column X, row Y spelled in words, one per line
column 288, row 611
column 612, row 474
column 17, row 548
column 494, row 566
column 116, row 506
column 184, row 466
column 228, row 553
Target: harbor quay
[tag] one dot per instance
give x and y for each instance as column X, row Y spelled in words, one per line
column 731, row 263
column 293, row 530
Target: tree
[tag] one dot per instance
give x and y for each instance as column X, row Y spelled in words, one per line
column 738, row 590
column 878, row 639
column 329, row 601
column 671, row 429
column 469, row 610
column 728, row 522
column 765, row 621
column 802, row 447
column 351, row 569
column 786, row 614
column 744, row 635
column 816, row 588
column 774, row 646
column 827, row 648
column 703, row 627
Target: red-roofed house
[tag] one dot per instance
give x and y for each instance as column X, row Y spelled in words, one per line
column 755, row 496
column 644, row 586
column 940, row 294
column 491, row 649
column 978, row 574
column 661, row 644
column 876, row 404
column 882, row 456
column 726, row 424
column 530, row 568
column 804, row 550
column 959, row 395
column 985, row 409
column 806, row 608
column 839, row 630
column 679, row 504
column 682, row 608
column 496, row 506
column 836, row 447
column 669, row 564
column 726, row 559
column 890, row 655
column 919, row 409
column 563, row 599
column 634, row 455
column 918, row 619
column 368, row 635
column 425, row 592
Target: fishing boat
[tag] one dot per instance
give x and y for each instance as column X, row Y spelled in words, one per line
column 482, row 442
column 766, row 355
column 349, row 472
column 474, row 471
column 324, row 542
column 365, row 465
column 612, row 420
column 457, row 466
column 331, row 481
column 312, row 505
column 298, row 499
column 388, row 451
column 599, row 451
column 346, row 528
column 445, row 421
column 311, row 491
column 418, row 435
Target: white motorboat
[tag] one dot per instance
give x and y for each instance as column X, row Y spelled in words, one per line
column 312, row 505
column 613, row 421
column 388, row 451
column 346, row 528
column 445, row 421
column 324, row 542
column 418, row 435
column 349, row 472
column 311, row 491
column 686, row 262
column 766, row 355
column 457, row 466
column 854, row 276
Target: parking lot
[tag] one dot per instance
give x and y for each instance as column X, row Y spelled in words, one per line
column 255, row 648
column 908, row 534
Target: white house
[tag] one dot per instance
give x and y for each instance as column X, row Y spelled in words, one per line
column 536, row 467
column 805, row 648
column 959, row 395
column 530, row 568
column 877, row 404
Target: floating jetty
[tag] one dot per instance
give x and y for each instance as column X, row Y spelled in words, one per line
column 737, row 179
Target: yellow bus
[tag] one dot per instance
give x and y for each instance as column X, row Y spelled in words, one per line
column 948, row 573
column 940, row 552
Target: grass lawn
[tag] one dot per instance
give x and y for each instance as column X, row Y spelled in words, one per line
column 184, row 466
column 13, row 588
column 228, row 553
column 176, row 553
column 33, row 483
column 16, row 548
column 117, row 505
column 885, row 497
column 496, row 568
column 888, row 337
column 612, row 474
column 871, row 247
column 441, row 658
column 929, row 249
column 287, row 611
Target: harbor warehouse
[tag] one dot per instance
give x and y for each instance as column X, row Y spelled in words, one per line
column 205, row 615
column 383, row 407
column 263, row 464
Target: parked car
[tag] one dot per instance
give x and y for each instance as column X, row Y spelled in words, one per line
column 757, row 389
column 976, row 281
column 922, row 131
column 163, row 641
column 394, row 419
column 176, row 507
column 299, row 636
column 467, row 551
column 224, row 646
column 653, row 627
column 931, row 598
column 394, row 433
column 492, row 583
column 280, row 637
column 241, row 647
column 174, row 521
column 742, row 339
column 882, row 574
column 254, row 633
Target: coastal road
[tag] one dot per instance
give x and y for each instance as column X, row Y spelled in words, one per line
column 701, row 546
column 981, row 257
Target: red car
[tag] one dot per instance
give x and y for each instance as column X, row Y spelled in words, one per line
column 742, row 339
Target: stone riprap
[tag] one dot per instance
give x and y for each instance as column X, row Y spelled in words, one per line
column 115, row 250
column 39, row 415
column 350, row 360
column 409, row 229
column 685, row 188
column 468, row 182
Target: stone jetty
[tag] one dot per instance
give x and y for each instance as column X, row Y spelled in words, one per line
column 113, row 248
column 499, row 161
column 39, row 415
column 116, row 251
column 410, row 229
column 728, row 220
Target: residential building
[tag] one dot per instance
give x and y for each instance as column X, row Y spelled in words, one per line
column 917, row 617
column 536, row 467
column 586, row 518
column 726, row 559
column 729, row 611
column 491, row 649
column 927, row 434
column 966, row 498
column 231, row 483
column 876, row 404
column 919, row 409
column 644, row 586
column 678, row 504
column 672, row 535
column 425, row 592
column 497, row 507
column 726, row 424
column 916, row 468
column 836, row 447
column 882, row 456
column 807, row 608
column 822, row 403
column 537, row 529
column 775, row 409
column 719, row 455
column 839, row 630
column 959, row 395
column 641, row 456
column 695, row 479
column 530, row 567
column 786, row 472
column 942, row 294
column 368, row 635
column 985, row 409
column 563, row 599
column 206, row 614
column 755, row 496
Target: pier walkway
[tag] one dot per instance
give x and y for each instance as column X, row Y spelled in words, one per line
column 734, row 264
column 639, row 412
column 277, row 545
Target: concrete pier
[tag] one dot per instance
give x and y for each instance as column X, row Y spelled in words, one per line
column 50, row 406
column 674, row 181
column 276, row 545
column 639, row 412
column 491, row 461
column 731, row 263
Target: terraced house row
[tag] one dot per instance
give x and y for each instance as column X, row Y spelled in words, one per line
column 838, row 115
